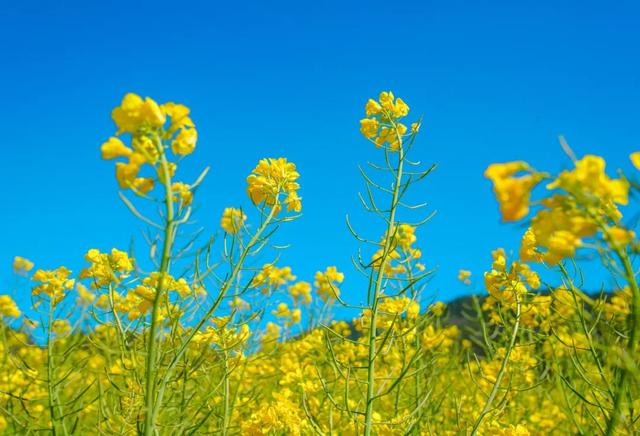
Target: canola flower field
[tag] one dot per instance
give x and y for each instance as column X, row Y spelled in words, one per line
column 184, row 339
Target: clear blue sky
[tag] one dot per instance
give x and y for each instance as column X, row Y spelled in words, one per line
column 496, row 81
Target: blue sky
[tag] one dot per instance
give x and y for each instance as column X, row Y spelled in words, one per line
column 496, row 81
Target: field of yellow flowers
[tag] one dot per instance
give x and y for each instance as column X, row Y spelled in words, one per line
column 193, row 345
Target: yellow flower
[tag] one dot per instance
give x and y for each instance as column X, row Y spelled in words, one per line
column 126, row 173
column 293, row 202
column 86, row 296
column 405, row 236
column 589, row 182
column 272, row 333
column 114, row 148
column 143, row 184
column 561, row 244
column 22, row 265
column 326, row 283
column 505, row 282
column 134, row 112
column 401, row 109
column 559, row 230
column 369, row 127
column 8, row 307
column 282, row 311
column 269, row 179
column 392, row 136
column 621, row 236
column 463, row 276
column 182, row 192
column 386, row 100
column 54, row 283
column 301, row 291
column 185, row 142
column 513, row 193
column 145, row 149
column 106, row 268
column 272, row 277
column 635, row 159
column 179, row 115
column 232, row 220
column 381, row 124
column 372, row 107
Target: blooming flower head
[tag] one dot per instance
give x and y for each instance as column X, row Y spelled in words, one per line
column 290, row 316
column 382, row 124
column 506, row 282
column 8, row 307
column 589, row 183
column 84, row 294
column 182, row 193
column 53, row 283
column 185, row 142
column 556, row 231
column 326, row 283
column 464, row 276
column 114, row 148
column 232, row 220
column 179, row 116
column 106, row 268
column 513, row 193
column 402, row 255
column 619, row 236
column 152, row 128
column 22, row 265
column 635, row 159
column 135, row 112
column 272, row 277
column 301, row 292
column 271, row 178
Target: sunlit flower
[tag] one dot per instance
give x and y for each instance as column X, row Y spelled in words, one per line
column 22, row 265
column 271, row 178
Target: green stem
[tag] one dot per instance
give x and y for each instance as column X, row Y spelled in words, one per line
column 151, row 405
column 368, row 418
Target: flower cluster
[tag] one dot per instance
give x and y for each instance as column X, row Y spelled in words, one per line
column 326, row 283
column 106, row 268
column 301, row 292
column 271, row 277
column 144, row 347
column 8, row 307
column 382, row 124
column 151, row 126
column 272, row 178
column 581, row 202
column 22, row 265
column 402, row 256
column 54, row 283
column 513, row 192
column 290, row 316
column 506, row 282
